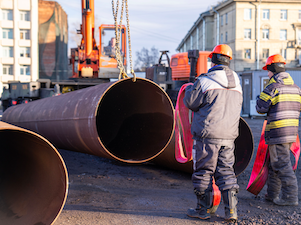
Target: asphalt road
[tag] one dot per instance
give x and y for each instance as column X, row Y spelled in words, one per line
column 104, row 191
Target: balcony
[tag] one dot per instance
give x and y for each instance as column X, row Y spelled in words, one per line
column 7, row 24
column 24, row 43
column 7, row 42
column 7, row 60
column 24, row 61
column 24, row 24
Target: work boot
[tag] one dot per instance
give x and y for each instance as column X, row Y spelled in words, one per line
column 269, row 198
column 230, row 202
column 280, row 201
column 202, row 211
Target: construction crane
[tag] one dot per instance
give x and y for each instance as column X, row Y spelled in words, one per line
column 91, row 64
column 90, row 60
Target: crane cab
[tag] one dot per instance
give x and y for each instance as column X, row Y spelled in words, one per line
column 108, row 66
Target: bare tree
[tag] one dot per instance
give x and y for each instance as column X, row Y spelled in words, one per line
column 74, row 36
column 146, row 58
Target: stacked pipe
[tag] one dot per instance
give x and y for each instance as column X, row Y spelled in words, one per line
column 128, row 121
column 124, row 120
column 33, row 178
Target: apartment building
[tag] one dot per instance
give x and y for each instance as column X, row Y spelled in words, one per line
column 19, row 41
column 254, row 29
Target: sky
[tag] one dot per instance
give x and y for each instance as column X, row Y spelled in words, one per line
column 153, row 23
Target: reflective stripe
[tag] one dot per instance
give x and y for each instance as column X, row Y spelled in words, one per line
column 282, row 123
column 265, row 97
column 286, row 98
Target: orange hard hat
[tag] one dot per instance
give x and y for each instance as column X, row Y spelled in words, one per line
column 273, row 59
column 222, row 49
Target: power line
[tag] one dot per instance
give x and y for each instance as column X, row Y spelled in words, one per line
column 157, row 35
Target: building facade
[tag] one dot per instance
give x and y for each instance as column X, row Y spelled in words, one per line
column 19, row 41
column 254, row 29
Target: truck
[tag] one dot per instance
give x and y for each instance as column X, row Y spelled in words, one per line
column 171, row 74
column 91, row 63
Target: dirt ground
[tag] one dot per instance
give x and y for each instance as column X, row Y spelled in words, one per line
column 104, row 191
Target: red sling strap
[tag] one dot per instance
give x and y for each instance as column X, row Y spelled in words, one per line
column 259, row 172
column 184, row 141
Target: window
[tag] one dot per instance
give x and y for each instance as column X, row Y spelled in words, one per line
column 222, row 39
column 265, row 53
column 226, row 37
column 24, row 34
column 247, row 53
column 222, row 20
column 265, row 34
column 25, row 52
column 247, row 33
column 8, row 52
column 265, row 14
column 174, row 62
column 24, row 70
column 283, row 34
column 7, row 33
column 7, row 69
column 283, row 53
column 283, row 14
column 247, row 14
column 226, row 15
column 7, row 14
column 24, row 15
column 299, row 37
column 299, row 56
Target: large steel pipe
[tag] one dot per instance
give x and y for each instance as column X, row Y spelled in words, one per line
column 244, row 147
column 33, row 178
column 124, row 120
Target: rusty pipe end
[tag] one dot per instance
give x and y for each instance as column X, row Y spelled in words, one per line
column 33, row 178
column 139, row 120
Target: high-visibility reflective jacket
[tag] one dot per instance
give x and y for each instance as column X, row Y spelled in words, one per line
column 281, row 101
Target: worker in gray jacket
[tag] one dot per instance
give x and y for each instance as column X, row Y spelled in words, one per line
column 216, row 100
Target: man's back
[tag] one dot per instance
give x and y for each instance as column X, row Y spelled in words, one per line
column 217, row 104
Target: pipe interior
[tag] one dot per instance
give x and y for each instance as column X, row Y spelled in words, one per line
column 33, row 180
column 244, row 147
column 135, row 120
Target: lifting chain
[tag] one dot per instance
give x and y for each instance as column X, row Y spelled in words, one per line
column 118, row 29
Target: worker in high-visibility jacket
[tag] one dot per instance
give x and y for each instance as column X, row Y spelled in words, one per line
column 280, row 100
column 216, row 100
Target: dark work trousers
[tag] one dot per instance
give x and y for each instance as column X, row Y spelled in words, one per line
column 213, row 160
column 281, row 174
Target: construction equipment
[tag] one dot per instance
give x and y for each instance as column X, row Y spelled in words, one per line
column 91, row 64
column 182, row 68
column 96, row 61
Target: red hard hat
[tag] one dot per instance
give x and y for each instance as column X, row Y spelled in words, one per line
column 273, row 59
column 222, row 49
